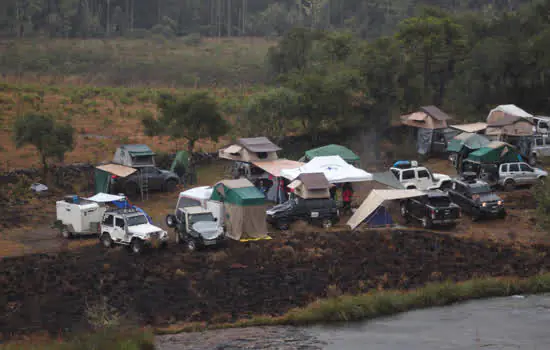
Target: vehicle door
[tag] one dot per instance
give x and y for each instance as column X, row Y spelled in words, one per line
column 415, row 206
column 154, row 178
column 527, row 173
column 119, row 229
column 409, row 177
column 545, row 146
column 107, row 225
column 515, row 173
column 300, row 209
column 458, row 195
column 424, row 179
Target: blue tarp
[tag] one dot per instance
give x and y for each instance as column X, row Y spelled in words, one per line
column 380, row 217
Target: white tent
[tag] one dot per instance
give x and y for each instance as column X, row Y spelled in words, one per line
column 198, row 193
column 105, row 198
column 336, row 170
column 375, row 199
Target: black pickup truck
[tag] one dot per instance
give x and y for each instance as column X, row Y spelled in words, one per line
column 476, row 198
column 433, row 208
column 320, row 211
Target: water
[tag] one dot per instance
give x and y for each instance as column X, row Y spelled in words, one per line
column 501, row 323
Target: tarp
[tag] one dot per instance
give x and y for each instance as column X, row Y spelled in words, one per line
column 105, row 198
column 333, row 150
column 117, row 169
column 424, row 140
column 495, row 152
column 387, row 178
column 240, row 192
column 470, row 128
column 274, row 167
column 336, row 170
column 101, row 181
column 375, row 199
column 180, row 162
column 469, row 140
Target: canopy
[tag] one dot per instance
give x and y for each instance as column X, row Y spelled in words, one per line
column 105, row 198
column 333, row 150
column 117, row 169
column 375, row 199
column 472, row 141
column 470, row 128
column 198, row 193
column 336, row 170
column 240, row 192
column 274, row 167
column 495, row 152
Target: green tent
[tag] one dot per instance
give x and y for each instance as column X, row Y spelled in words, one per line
column 101, row 181
column 240, row 192
column 333, row 150
column 181, row 160
column 469, row 140
column 495, row 152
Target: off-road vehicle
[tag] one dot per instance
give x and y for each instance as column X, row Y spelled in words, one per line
column 417, row 177
column 434, row 208
column 196, row 227
column 318, row 211
column 476, row 197
column 153, row 178
column 131, row 228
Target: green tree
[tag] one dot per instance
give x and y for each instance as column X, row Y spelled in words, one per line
column 271, row 112
column 51, row 139
column 193, row 117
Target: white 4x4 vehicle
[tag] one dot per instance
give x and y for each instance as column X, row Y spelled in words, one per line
column 131, row 228
column 417, row 177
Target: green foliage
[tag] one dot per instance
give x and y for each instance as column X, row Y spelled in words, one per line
column 192, row 117
column 51, row 139
column 541, row 192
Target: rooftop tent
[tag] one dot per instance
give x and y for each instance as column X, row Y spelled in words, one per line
column 335, row 169
column 375, row 199
column 495, row 152
column 432, row 130
column 333, row 150
column 197, row 196
column 469, row 140
column 509, row 120
column 134, row 156
column 428, row 117
column 470, row 128
column 250, row 150
column 311, row 185
column 244, row 207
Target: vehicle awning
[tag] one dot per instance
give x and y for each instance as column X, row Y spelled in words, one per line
column 117, row 169
column 472, row 127
column 375, row 199
column 105, row 198
column 274, row 167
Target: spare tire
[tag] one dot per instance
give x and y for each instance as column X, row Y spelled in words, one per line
column 171, row 221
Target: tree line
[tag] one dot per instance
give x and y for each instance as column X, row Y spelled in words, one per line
column 111, row 18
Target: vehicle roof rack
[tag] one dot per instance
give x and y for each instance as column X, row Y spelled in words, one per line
column 123, row 210
column 405, row 164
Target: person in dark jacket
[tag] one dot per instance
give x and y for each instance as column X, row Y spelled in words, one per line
column 347, row 196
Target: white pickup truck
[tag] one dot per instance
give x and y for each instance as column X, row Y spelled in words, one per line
column 412, row 176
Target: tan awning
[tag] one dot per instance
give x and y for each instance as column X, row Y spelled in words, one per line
column 473, row 127
column 117, row 169
column 418, row 116
column 274, row 167
column 294, row 184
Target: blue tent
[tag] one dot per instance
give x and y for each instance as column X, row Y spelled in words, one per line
column 380, row 217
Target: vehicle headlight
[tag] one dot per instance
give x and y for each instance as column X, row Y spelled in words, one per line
column 499, row 202
column 484, row 204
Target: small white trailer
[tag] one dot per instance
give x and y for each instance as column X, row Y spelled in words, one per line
column 82, row 216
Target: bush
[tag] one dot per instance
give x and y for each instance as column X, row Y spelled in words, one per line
column 541, row 192
column 193, row 39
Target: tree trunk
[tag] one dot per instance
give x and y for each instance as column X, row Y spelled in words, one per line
column 229, row 13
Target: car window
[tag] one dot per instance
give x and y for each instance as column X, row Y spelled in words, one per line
column 440, row 201
column 395, row 172
column 119, row 222
column 525, row 167
column 408, row 174
column 504, row 168
column 538, row 141
column 137, row 220
column 543, row 125
column 514, row 167
column 108, row 220
column 423, row 174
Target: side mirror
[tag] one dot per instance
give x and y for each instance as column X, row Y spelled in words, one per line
column 215, row 219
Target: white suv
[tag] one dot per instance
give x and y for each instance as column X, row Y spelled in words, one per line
column 131, row 228
column 512, row 174
column 413, row 176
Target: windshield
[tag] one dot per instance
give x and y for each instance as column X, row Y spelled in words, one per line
column 136, row 220
column 480, row 189
column 201, row 217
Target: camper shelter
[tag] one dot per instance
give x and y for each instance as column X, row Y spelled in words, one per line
column 475, row 128
column 104, row 173
column 310, row 186
column 432, row 132
column 335, row 169
column 134, row 156
column 495, row 152
column 272, row 173
column 370, row 211
column 250, row 149
column 332, row 150
column 509, row 120
column 466, row 140
column 244, row 208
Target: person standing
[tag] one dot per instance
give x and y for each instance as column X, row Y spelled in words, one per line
column 347, row 195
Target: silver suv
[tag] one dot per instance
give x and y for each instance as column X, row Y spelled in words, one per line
column 512, row 174
column 541, row 148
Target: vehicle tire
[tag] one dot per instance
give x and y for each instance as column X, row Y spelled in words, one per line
column 476, row 215
column 411, row 188
column 65, row 233
column 502, row 214
column 170, row 185
column 131, row 189
column 426, row 222
column 106, row 240
column 136, row 246
column 509, row 185
column 283, row 226
column 542, row 179
column 171, row 221
column 326, row 223
column 533, row 160
column 191, row 245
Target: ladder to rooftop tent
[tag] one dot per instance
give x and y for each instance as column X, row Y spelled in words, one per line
column 143, row 185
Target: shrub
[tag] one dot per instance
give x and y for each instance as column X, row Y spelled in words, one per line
column 193, row 39
column 541, row 192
